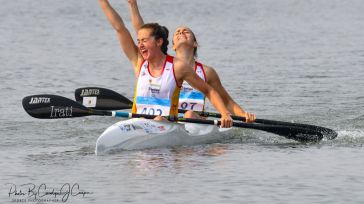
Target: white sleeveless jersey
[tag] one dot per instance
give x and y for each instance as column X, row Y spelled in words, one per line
column 190, row 98
column 156, row 95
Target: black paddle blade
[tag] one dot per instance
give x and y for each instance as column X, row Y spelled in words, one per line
column 102, row 99
column 291, row 132
column 53, row 107
column 326, row 132
column 298, row 133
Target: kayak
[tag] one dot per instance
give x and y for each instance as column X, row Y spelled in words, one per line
column 140, row 133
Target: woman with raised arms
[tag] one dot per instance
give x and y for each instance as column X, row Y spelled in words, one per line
column 159, row 76
column 185, row 45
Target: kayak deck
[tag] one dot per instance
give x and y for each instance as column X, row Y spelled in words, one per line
column 139, row 133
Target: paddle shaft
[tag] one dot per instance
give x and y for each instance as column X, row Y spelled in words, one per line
column 110, row 100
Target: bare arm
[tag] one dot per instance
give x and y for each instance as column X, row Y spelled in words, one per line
column 184, row 72
column 234, row 108
column 136, row 18
column 125, row 39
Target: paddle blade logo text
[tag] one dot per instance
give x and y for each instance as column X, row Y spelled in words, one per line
column 61, row 112
column 90, row 92
column 39, row 100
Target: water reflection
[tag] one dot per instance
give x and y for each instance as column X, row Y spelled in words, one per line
column 176, row 158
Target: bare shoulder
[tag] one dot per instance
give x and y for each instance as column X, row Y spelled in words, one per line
column 211, row 74
column 207, row 67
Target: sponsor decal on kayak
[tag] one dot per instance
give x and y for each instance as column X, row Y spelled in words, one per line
column 38, row 100
column 161, row 128
column 147, row 126
column 61, row 112
column 90, row 92
column 152, row 128
column 127, row 127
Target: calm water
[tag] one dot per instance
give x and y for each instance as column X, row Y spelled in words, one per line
column 290, row 60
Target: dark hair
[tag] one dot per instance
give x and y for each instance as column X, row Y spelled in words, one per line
column 195, row 49
column 158, row 32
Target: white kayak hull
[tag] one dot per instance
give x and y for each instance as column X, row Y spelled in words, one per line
column 138, row 133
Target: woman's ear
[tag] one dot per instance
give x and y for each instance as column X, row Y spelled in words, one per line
column 160, row 42
column 195, row 44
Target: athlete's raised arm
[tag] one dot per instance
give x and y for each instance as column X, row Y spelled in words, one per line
column 126, row 41
column 136, row 18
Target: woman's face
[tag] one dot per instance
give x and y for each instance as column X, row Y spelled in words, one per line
column 183, row 35
column 147, row 44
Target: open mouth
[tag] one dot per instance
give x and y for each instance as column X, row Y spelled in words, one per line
column 144, row 52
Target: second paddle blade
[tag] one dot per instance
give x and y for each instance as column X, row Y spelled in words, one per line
column 102, row 99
